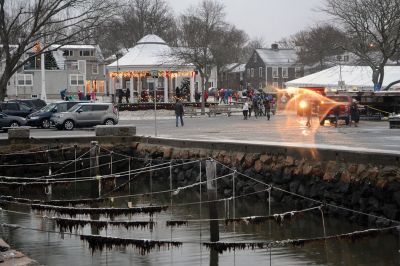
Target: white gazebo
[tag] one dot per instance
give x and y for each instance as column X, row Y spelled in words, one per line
column 150, row 57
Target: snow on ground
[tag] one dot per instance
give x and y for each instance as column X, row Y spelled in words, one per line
column 146, row 115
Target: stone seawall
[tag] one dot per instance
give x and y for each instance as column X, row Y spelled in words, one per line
column 368, row 183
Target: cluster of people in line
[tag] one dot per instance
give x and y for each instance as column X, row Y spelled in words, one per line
column 66, row 96
column 259, row 104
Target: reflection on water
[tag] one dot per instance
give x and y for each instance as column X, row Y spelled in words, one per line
column 51, row 249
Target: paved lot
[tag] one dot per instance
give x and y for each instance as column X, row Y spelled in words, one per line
column 289, row 130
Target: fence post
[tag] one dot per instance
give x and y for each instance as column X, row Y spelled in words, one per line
column 95, row 189
column 211, row 168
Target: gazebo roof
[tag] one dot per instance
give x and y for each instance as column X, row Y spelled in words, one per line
column 150, row 52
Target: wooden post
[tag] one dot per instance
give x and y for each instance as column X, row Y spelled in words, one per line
column 211, row 169
column 94, row 168
column 94, row 188
column 49, row 188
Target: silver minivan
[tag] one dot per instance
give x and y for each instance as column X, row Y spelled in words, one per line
column 86, row 115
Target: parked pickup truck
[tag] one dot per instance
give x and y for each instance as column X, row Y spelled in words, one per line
column 327, row 108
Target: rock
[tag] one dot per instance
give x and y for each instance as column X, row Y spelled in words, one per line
column 289, row 161
column 345, row 177
column 307, row 169
column 343, row 187
column 352, row 169
column 181, row 176
column 389, row 171
column 228, row 192
column 265, row 158
column 249, row 160
column 258, row 166
column 239, row 157
column 396, row 198
column 374, row 204
column 188, row 173
column 167, row 152
column 390, row 211
column 3, row 246
column 293, row 186
column 372, row 173
column 248, row 190
column 361, row 169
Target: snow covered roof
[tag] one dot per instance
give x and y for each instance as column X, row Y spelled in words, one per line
column 352, row 76
column 75, row 46
column 278, row 56
column 151, row 52
column 239, row 68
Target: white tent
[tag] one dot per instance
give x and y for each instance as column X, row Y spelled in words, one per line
column 346, row 78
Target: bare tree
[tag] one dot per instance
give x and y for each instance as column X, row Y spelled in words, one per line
column 136, row 19
column 228, row 48
column 373, row 28
column 26, row 23
column 200, row 28
column 318, row 44
column 249, row 48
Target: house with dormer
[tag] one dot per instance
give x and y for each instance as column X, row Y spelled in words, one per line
column 72, row 67
column 272, row 67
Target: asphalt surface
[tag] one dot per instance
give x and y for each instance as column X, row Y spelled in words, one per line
column 282, row 129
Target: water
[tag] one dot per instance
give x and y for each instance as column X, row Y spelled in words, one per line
column 52, row 249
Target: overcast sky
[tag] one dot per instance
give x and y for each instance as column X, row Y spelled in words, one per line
column 270, row 19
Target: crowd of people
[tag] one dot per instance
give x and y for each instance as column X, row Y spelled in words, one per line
column 259, row 105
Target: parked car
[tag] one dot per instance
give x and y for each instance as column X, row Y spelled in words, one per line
column 42, row 117
column 15, row 108
column 86, row 114
column 35, row 104
column 326, row 108
column 11, row 121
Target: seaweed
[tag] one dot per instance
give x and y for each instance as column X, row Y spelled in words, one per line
column 143, row 246
column 221, row 247
column 111, row 212
column 177, row 223
column 70, row 224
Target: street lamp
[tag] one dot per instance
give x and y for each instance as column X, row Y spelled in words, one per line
column 118, row 55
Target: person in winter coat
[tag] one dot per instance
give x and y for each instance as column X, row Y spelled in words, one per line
column 179, row 112
column 267, row 107
column 354, row 113
column 245, row 110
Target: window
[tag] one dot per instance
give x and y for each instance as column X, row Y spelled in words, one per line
column 72, row 65
column 260, row 72
column 285, row 73
column 297, row 72
column 84, row 53
column 260, row 86
column 252, row 72
column 95, row 69
column 248, row 72
column 12, row 106
column 24, row 79
column 76, row 80
column 275, row 73
column 62, row 107
column 255, row 58
column 100, row 107
column 24, row 107
column 68, row 53
column 86, row 108
column 275, row 84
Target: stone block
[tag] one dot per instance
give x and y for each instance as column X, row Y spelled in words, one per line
column 19, row 133
column 115, row 131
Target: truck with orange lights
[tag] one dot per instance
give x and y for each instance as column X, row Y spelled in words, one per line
column 339, row 103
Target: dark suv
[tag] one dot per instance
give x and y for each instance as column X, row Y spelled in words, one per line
column 15, row 108
column 35, row 104
column 340, row 103
column 42, row 117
